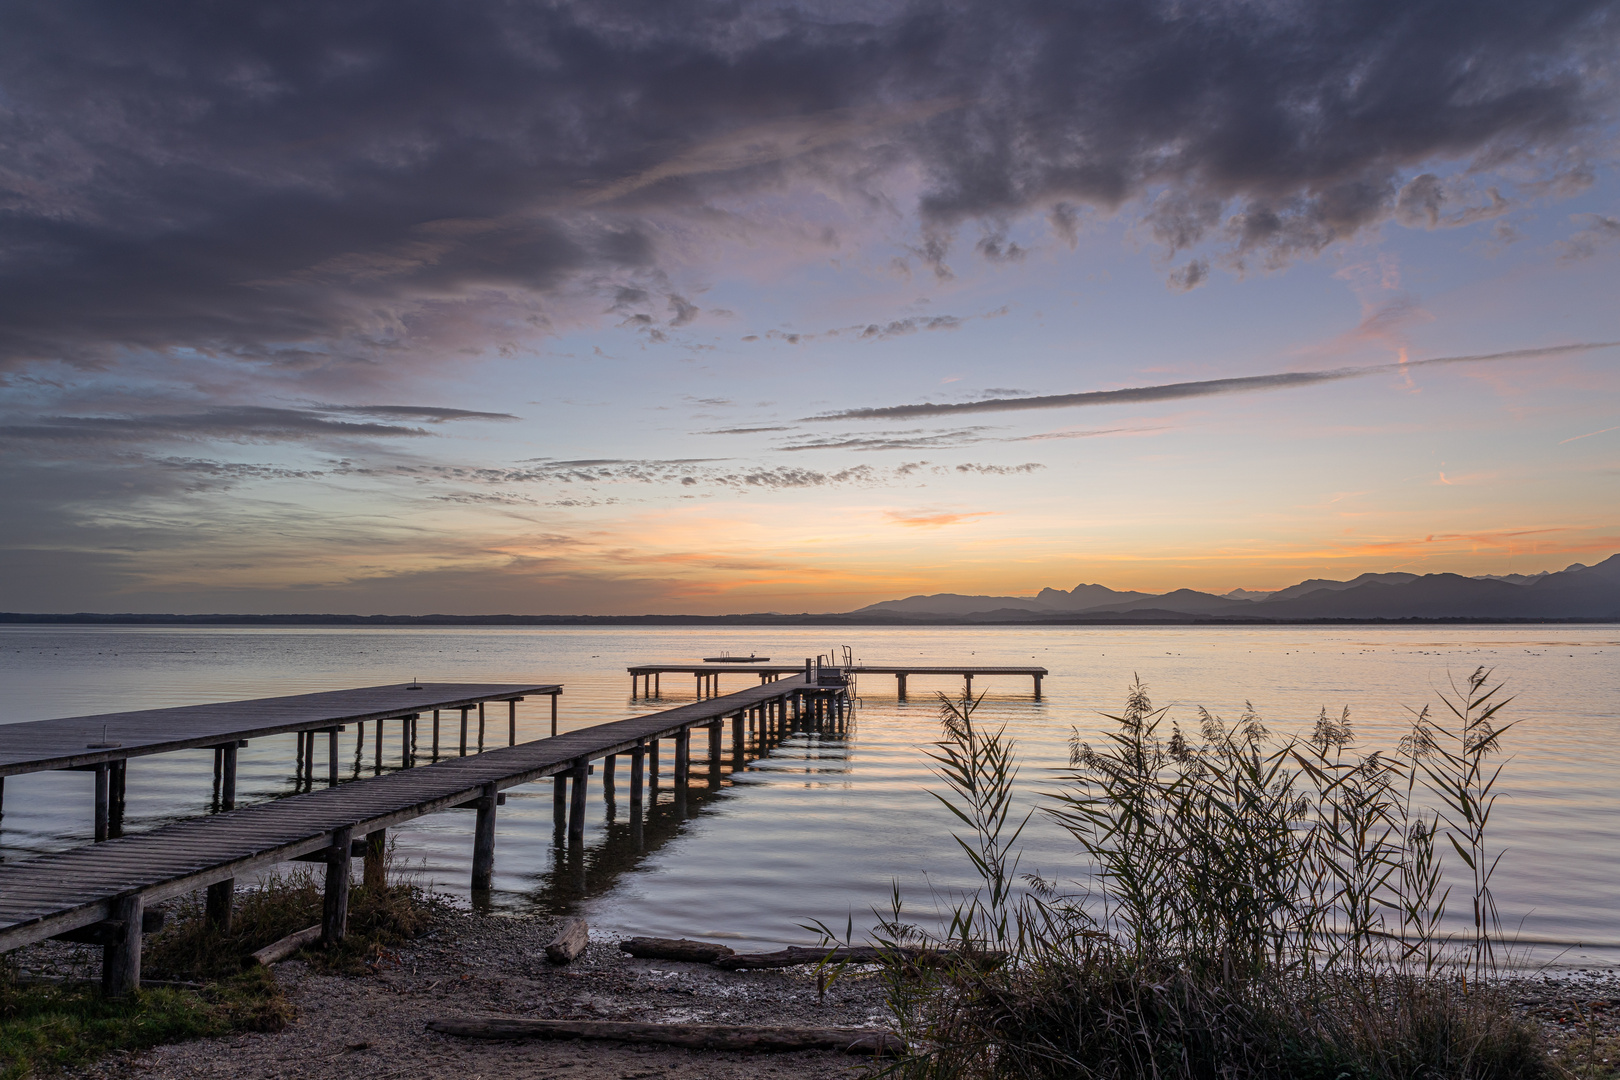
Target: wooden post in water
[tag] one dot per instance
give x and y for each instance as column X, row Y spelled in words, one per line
column 483, row 863
column 553, row 715
column 227, row 787
column 683, row 757
column 121, row 957
column 376, row 753
column 576, row 807
column 652, row 762
column 331, row 757
column 967, row 683
column 101, row 802
column 1037, row 688
column 511, row 722
column 435, row 734
column 610, row 766
column 373, row 871
column 335, row 902
column 405, row 725
column 739, row 744
column 638, row 763
column 559, row 799
column 480, row 727
column 900, row 683
column 714, row 753
column 464, row 712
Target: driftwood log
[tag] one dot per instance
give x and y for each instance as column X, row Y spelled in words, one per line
column 572, row 937
column 691, row 1036
column 280, row 950
column 795, row 955
column 663, row 948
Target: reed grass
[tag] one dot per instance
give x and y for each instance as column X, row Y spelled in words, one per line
column 1257, row 907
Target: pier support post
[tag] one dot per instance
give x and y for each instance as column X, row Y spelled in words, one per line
column 1037, row 688
column 900, row 684
column 554, row 715
column 218, row 905
column 376, row 750
column 638, row 763
column 335, row 903
column 480, row 727
column 435, row 734
column 405, row 726
column 683, row 758
column 373, row 873
column 483, row 863
column 967, row 685
column 697, row 678
column 332, row 757
column 511, row 722
column 121, row 957
column 714, row 753
column 610, row 767
column 576, row 807
column 739, row 743
column 464, row 712
column 227, row 786
column 101, row 802
column 559, row 799
column 652, row 762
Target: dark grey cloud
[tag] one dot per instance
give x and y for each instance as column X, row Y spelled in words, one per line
column 315, row 184
column 1175, row 391
column 430, row 413
column 239, row 422
column 744, row 430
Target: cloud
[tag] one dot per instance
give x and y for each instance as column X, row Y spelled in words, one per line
column 1597, row 232
column 245, row 423
column 924, row 519
column 315, row 190
column 999, row 470
column 430, row 413
column 914, row 439
column 1202, row 388
column 745, row 430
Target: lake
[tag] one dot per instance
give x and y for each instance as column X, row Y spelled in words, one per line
column 824, row 826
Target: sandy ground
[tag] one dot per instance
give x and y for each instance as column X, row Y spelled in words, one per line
column 481, row 965
column 491, row 965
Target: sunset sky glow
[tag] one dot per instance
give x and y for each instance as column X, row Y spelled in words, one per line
column 691, row 307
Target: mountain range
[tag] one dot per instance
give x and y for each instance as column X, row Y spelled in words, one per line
column 1577, row 592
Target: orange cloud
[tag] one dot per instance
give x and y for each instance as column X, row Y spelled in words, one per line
column 925, row 520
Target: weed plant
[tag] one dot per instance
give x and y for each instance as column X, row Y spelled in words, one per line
column 1258, row 907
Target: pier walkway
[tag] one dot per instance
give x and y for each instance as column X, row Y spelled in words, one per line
column 99, row 892
column 105, row 743
column 644, row 678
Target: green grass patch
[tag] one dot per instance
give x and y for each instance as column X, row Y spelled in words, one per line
column 48, row 1027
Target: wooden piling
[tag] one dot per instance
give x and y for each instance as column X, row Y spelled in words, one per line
column 464, row 712
column 559, row 799
column 1037, row 687
column 683, row 758
column 335, row 902
column 405, row 724
column 121, row 957
column 219, row 903
column 900, row 684
column 554, row 715
column 332, row 757
column 739, row 745
column 227, row 787
column 376, row 753
column 101, row 802
column 610, row 766
column 483, row 862
column 373, row 871
column 511, row 722
column 435, row 734
column 576, row 806
column 714, row 752
column 652, row 762
column 480, row 727
column 638, row 761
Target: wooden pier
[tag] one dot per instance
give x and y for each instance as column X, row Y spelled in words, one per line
column 107, row 886
column 645, row 681
column 104, row 744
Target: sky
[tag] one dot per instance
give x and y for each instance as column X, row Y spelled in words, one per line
column 700, row 307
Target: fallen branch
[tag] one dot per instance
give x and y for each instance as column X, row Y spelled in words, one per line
column 280, row 950
column 663, row 948
column 691, row 1036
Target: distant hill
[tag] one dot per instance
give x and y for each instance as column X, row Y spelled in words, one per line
column 1578, row 592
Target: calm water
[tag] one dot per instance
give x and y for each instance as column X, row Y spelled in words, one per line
column 821, row 827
